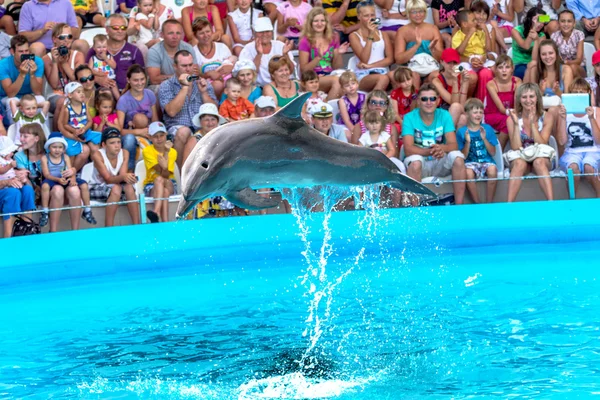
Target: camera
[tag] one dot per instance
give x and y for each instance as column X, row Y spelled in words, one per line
column 375, row 21
column 25, row 57
column 63, row 51
column 458, row 69
column 192, row 78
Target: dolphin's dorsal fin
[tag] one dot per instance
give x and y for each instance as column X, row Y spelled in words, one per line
column 293, row 110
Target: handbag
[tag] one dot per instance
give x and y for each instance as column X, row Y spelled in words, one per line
column 24, row 226
column 423, row 64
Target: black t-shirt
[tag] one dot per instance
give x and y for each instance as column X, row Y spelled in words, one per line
column 447, row 10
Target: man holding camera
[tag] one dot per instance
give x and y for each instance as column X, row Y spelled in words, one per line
column 180, row 98
column 21, row 73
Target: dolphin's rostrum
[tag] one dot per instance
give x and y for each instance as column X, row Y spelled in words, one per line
column 280, row 151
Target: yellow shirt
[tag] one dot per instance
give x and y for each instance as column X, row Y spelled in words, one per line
column 476, row 45
column 151, row 160
column 81, row 5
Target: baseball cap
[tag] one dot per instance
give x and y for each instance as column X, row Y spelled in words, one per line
column 71, row 87
column 156, row 127
column 207, row 109
column 320, row 110
column 263, row 24
column 596, row 58
column 110, row 133
column 7, row 146
column 264, row 102
column 450, row 55
column 55, row 139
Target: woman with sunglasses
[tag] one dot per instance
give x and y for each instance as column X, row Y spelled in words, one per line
column 378, row 101
column 417, row 37
column 85, row 76
column 59, row 66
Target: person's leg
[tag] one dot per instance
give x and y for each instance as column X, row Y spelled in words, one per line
column 27, row 198
column 129, row 143
column 331, row 86
column 57, row 200
column 139, row 121
column 472, row 186
column 38, row 49
column 8, row 24
column 133, row 208
column 447, row 40
column 473, row 80
column 168, row 191
column 415, row 170
column 10, row 199
column 458, row 174
column 576, row 179
column 9, row 222
column 45, row 195
column 485, row 75
column 99, row 19
column 492, row 173
column 82, row 158
column 518, row 168
column 541, row 167
column 85, row 198
column 74, row 196
column 218, row 87
column 81, row 46
column 111, row 211
column 594, row 181
column 456, row 110
column 80, row 20
column 157, row 193
column 181, row 137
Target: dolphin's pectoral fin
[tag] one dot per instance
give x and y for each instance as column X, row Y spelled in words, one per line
column 250, row 200
column 408, row 184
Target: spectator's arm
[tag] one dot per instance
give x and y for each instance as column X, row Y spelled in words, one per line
column 282, row 25
column 401, row 55
column 14, row 106
column 156, row 78
column 355, row 134
column 340, row 14
column 466, row 145
column 579, row 57
column 218, row 30
column 394, row 135
column 519, row 5
column 544, row 135
column 525, row 44
column 187, row 25
column 235, row 34
column 463, row 45
column 391, row 148
column 595, row 125
column 90, row 123
column 448, row 97
column 154, row 113
column 174, row 106
column 450, row 144
column 408, row 142
column 567, row 78
column 488, row 146
column 12, row 88
column 362, row 53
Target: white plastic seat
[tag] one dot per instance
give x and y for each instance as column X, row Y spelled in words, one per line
column 88, row 34
column 352, row 63
column 86, row 174
column 140, row 173
column 588, row 52
column 336, row 108
column 429, row 16
column 12, row 131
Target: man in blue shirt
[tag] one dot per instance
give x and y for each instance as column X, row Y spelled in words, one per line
column 429, row 139
column 587, row 13
column 21, row 73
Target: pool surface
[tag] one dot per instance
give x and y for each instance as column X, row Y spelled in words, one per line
column 449, row 302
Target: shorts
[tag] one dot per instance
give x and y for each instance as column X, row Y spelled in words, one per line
column 390, row 28
column 148, row 188
column 433, row 167
column 361, row 73
column 101, row 191
column 87, row 18
column 173, row 130
column 507, row 28
column 480, row 169
column 581, row 159
column 53, row 183
column 75, row 148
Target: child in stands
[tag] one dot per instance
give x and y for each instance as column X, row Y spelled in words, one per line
column 27, row 111
column 107, row 117
column 235, row 107
column 351, row 102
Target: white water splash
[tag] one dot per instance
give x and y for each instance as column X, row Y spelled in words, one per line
column 146, row 387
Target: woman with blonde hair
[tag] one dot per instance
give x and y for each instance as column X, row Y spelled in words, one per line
column 319, row 50
column 282, row 88
column 529, row 130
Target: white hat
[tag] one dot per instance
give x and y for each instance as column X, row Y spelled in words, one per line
column 55, row 139
column 241, row 65
column 156, row 127
column 263, row 24
column 207, row 109
column 320, row 110
column 264, row 102
column 7, row 146
column 71, row 87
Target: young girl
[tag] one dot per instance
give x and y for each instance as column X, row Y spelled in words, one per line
column 291, row 15
column 502, row 15
column 57, row 170
column 500, row 97
column 570, row 43
column 351, row 102
column 201, row 9
column 548, row 71
column 75, row 123
column 107, row 117
column 240, row 22
column 481, row 10
column 148, row 22
column 310, row 83
column 524, row 38
column 102, row 62
column 378, row 101
column 375, row 137
column 403, row 97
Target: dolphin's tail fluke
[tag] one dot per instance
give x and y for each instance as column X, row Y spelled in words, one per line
column 407, row 184
column 185, row 207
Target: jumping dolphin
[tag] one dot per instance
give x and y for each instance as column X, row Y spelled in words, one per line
column 280, row 151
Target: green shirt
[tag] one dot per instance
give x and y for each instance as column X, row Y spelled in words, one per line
column 520, row 55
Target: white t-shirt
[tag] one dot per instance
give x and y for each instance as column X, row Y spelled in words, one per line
column 242, row 22
column 145, row 35
column 206, row 64
column 381, row 145
column 249, row 52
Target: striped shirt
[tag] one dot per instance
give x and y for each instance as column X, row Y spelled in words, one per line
column 351, row 18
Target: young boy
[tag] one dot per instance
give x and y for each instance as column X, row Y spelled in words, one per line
column 235, row 107
column 25, row 111
column 478, row 142
column 102, row 62
column 159, row 159
column 472, row 41
column 310, row 83
column 110, row 181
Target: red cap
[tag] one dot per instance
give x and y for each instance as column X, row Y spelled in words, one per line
column 450, row 55
column 596, row 58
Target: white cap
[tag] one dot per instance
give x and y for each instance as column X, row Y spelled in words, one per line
column 241, row 65
column 71, row 87
column 7, row 146
column 264, row 102
column 207, row 109
column 320, row 110
column 55, row 139
column 156, row 127
column 263, row 24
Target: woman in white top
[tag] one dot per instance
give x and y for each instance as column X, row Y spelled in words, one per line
column 373, row 50
column 240, row 22
column 110, row 180
column 393, row 16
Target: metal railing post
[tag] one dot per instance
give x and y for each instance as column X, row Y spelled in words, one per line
column 571, row 181
column 142, row 200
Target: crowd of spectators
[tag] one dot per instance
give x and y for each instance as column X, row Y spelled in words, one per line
column 439, row 98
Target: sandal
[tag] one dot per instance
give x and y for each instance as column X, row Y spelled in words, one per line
column 89, row 217
column 44, row 219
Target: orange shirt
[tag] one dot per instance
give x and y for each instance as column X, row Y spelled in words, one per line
column 236, row 112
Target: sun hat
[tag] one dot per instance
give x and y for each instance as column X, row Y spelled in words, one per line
column 263, row 24
column 71, row 87
column 207, row 109
column 53, row 140
column 241, row 65
column 7, row 146
column 264, row 102
column 156, row 127
column 320, row 110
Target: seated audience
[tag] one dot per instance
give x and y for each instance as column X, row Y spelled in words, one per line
column 264, row 106
column 240, row 22
column 351, row 103
column 245, row 72
column 201, row 9
column 103, row 65
column 235, row 107
column 343, row 16
column 291, row 16
column 453, row 85
column 282, row 88
column 548, row 71
column 525, row 38
column 444, row 15
column 27, row 111
column 378, row 101
column 322, row 120
column 570, row 43
column 587, row 14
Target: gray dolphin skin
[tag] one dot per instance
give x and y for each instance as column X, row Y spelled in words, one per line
column 280, row 151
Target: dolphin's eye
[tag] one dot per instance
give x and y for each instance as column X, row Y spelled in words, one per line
column 204, row 165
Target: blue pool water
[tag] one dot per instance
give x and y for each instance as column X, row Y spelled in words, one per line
column 409, row 304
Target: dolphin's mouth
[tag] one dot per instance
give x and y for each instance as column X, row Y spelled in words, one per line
column 185, row 207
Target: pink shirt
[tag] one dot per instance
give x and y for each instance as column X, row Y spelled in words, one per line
column 112, row 118
column 288, row 11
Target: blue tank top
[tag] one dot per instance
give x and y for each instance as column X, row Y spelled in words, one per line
column 77, row 120
column 57, row 169
column 423, row 48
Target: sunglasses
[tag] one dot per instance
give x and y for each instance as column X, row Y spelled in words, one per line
column 417, row 12
column 64, row 37
column 118, row 28
column 85, row 79
column 431, row 99
column 381, row 103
